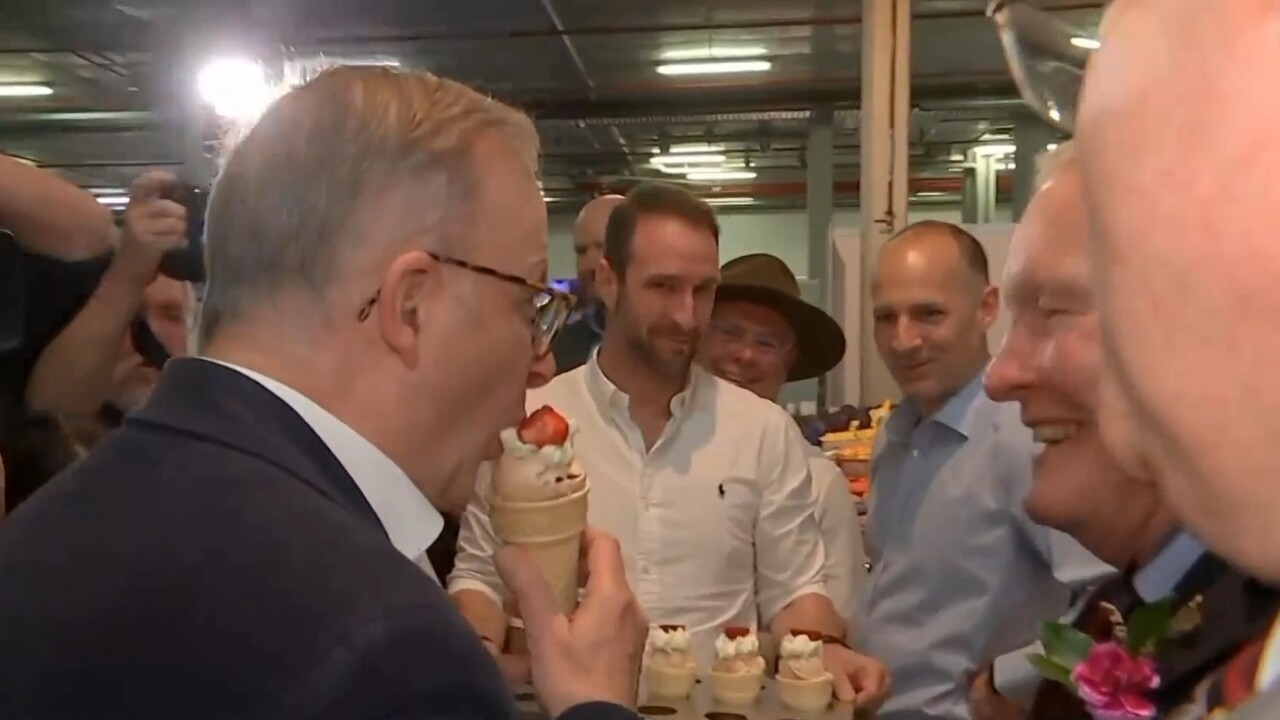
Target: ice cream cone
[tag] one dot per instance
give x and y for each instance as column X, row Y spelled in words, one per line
column 552, row 530
column 805, row 695
column 671, row 683
column 736, row 688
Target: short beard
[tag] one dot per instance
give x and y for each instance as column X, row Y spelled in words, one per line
column 675, row 369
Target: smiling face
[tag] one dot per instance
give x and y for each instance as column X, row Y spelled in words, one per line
column 1179, row 149
column 750, row 345
column 1050, row 364
column 931, row 316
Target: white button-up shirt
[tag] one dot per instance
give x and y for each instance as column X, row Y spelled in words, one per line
column 845, row 572
column 411, row 522
column 716, row 521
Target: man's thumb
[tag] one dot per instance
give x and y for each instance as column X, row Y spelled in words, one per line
column 522, row 576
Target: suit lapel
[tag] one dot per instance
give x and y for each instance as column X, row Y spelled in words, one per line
column 1233, row 610
column 222, row 406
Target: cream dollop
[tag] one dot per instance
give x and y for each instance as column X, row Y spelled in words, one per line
column 728, row 648
column 674, row 640
column 528, row 473
column 801, row 658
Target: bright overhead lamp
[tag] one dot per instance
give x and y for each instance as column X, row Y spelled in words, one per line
column 1087, row 43
column 24, row 90
column 237, row 88
column 995, row 137
column 690, row 148
column 714, row 68
column 930, row 193
column 107, row 191
column 714, row 53
column 721, row 175
column 1051, row 147
column 994, row 150
column 688, row 159
column 731, row 201
column 113, row 200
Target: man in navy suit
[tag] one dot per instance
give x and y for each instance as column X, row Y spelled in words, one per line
column 252, row 542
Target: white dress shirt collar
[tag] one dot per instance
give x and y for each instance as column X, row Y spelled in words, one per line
column 607, row 395
column 410, row 521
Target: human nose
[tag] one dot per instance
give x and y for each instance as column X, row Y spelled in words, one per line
column 1010, row 371
column 906, row 337
column 542, row 370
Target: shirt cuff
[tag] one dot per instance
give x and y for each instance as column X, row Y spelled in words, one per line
column 1015, row 677
column 457, row 585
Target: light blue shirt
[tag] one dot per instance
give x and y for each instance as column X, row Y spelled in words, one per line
column 1160, row 577
column 960, row 575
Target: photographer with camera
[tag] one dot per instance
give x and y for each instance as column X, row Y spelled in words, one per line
column 93, row 362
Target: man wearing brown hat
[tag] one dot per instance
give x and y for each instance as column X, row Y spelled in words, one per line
column 762, row 335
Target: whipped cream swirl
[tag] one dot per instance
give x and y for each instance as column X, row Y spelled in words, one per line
column 728, row 648
column 551, row 454
column 674, row 640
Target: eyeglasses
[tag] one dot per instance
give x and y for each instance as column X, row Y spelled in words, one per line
column 1046, row 58
column 550, row 309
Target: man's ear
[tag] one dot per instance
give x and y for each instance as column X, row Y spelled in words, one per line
column 990, row 307
column 403, row 303
column 607, row 282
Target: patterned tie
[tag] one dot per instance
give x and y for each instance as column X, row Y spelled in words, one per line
column 1053, row 700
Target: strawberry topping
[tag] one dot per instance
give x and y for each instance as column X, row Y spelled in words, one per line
column 733, row 632
column 544, row 427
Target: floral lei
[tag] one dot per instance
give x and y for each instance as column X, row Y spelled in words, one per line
column 1114, row 677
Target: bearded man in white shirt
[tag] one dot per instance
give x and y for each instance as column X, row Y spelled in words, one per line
column 705, row 484
column 762, row 336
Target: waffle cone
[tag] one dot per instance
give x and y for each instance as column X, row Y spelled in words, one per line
column 671, row 684
column 805, row 695
column 552, row 531
column 736, row 688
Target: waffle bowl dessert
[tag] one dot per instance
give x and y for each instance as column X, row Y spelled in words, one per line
column 803, row 681
column 671, row 669
column 738, row 670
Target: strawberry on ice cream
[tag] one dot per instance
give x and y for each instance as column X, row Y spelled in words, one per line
column 538, row 462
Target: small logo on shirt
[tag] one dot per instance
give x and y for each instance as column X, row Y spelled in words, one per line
column 720, row 489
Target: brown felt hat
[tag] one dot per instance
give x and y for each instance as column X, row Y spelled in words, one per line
column 766, row 280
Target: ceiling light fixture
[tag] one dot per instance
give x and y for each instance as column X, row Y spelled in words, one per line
column 237, row 89
column 994, row 150
column 721, row 175
column 687, row 148
column 731, row 201
column 113, row 200
column 1087, row 43
column 688, row 159
column 714, row 68
column 713, row 53
column 24, row 90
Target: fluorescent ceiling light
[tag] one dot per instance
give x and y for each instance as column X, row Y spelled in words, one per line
column 994, row 150
column 689, row 159
column 713, row 68
column 1087, row 43
column 107, row 191
column 721, row 175
column 713, row 53
column 995, row 137
column 687, row 148
column 930, row 193
column 113, row 200
column 731, row 201
column 24, row 90
column 236, row 88
column 1051, row 146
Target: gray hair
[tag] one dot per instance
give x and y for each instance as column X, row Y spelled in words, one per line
column 283, row 210
column 1053, row 161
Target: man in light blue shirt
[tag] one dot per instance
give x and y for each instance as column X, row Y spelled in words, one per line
column 961, row 576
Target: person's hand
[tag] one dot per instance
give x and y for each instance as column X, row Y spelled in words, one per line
column 986, row 703
column 515, row 668
column 858, row 679
column 152, row 227
column 595, row 654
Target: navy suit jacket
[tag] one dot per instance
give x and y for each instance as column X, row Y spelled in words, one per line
column 213, row 559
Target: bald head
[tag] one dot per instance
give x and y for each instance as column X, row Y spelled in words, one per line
column 1178, row 160
column 588, row 240
column 932, row 308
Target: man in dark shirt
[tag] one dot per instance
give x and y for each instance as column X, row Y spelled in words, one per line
column 583, row 331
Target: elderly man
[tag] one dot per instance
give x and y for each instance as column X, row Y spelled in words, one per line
column 582, row 333
column 950, row 471
column 712, row 536
column 1187, row 269
column 762, row 335
column 1050, row 364
column 247, row 544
